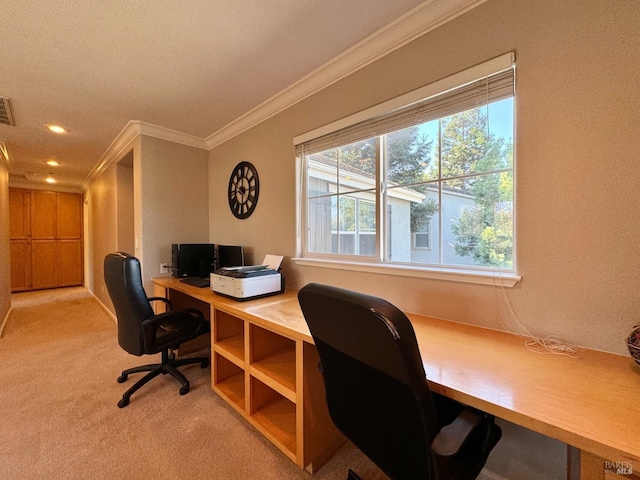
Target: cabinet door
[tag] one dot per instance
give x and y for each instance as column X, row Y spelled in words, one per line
column 46, row 236
column 44, row 260
column 69, row 263
column 19, row 244
column 19, row 213
column 43, row 214
column 69, row 215
column 20, row 253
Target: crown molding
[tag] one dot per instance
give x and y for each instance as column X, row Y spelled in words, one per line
column 174, row 136
column 18, row 183
column 132, row 129
column 422, row 19
column 114, row 152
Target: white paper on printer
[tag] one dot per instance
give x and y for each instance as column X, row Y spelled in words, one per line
column 272, row 261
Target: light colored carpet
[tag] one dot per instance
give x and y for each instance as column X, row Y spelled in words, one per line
column 59, row 360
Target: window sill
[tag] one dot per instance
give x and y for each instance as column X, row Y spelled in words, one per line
column 497, row 278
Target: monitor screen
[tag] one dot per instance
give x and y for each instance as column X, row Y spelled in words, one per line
column 230, row 256
column 193, row 259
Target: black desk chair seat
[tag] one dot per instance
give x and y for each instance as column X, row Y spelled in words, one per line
column 142, row 332
column 377, row 392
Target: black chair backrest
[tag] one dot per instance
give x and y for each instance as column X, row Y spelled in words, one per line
column 375, row 384
column 124, row 282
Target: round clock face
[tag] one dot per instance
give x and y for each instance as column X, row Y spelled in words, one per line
column 244, row 187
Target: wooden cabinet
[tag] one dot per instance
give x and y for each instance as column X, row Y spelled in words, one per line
column 43, row 214
column 45, row 239
column 20, row 238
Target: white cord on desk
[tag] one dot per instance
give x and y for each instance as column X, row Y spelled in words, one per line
column 549, row 345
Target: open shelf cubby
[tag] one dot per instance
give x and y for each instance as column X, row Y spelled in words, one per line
column 274, row 415
column 273, row 361
column 228, row 380
column 228, row 337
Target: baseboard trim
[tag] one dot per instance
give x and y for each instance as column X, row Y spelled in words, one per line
column 4, row 320
column 104, row 307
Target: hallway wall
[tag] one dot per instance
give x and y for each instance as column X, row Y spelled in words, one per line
column 5, row 272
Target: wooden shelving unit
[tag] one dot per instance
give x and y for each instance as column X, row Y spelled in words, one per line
column 264, row 364
column 259, row 371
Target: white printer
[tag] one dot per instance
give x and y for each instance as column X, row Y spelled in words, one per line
column 251, row 281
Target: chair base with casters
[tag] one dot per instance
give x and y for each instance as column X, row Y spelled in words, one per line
column 169, row 365
column 142, row 331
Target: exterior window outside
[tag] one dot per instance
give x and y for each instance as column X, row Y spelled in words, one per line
column 422, row 238
column 436, row 193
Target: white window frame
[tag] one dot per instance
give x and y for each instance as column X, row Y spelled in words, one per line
column 481, row 275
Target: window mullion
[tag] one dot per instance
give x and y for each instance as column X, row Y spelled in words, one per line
column 440, row 216
column 338, row 202
column 381, row 197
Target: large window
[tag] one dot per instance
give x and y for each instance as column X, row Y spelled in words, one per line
column 426, row 183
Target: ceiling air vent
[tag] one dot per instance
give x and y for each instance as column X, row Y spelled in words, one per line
column 6, row 116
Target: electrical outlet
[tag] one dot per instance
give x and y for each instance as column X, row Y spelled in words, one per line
column 164, row 268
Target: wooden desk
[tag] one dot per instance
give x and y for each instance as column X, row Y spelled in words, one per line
column 591, row 403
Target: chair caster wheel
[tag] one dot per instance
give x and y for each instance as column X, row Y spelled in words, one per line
column 122, row 378
column 204, row 364
column 184, row 390
column 123, row 403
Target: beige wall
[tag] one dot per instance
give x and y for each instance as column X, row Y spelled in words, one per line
column 101, row 200
column 578, row 173
column 125, row 218
column 163, row 201
column 5, row 272
column 173, row 196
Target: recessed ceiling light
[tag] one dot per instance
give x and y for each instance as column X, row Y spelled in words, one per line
column 56, row 128
column 50, row 179
column 53, row 163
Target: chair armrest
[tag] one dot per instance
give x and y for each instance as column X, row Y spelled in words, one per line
column 162, row 299
column 171, row 315
column 150, row 325
column 461, row 448
column 452, row 437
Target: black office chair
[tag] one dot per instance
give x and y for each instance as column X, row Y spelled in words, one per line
column 377, row 392
column 141, row 332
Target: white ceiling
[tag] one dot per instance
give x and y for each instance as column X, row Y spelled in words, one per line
column 193, row 67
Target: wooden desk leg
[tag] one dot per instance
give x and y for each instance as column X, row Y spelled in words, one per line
column 158, row 306
column 591, row 467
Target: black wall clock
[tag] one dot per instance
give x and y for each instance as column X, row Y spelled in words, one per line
column 244, row 187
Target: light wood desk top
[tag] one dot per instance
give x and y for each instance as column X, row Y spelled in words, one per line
column 280, row 312
column 592, row 402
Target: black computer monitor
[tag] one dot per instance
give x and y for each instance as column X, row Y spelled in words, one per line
column 230, row 256
column 192, row 259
